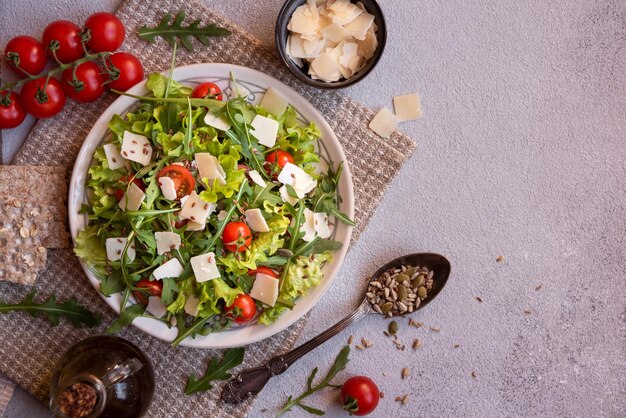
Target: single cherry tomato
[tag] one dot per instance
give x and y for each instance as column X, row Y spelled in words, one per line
column 89, row 85
column 11, row 112
column 363, row 391
column 205, row 89
column 119, row 193
column 236, row 237
column 27, row 53
column 43, row 103
column 151, row 287
column 107, row 32
column 264, row 270
column 67, row 34
column 184, row 183
column 247, row 308
column 130, row 71
column 277, row 159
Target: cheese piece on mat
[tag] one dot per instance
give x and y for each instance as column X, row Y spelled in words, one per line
column 172, row 268
column 265, row 289
column 265, row 130
column 114, row 156
column 115, row 248
column 384, row 123
column 273, row 102
column 204, row 267
column 136, row 148
column 166, row 241
column 407, row 107
column 133, row 198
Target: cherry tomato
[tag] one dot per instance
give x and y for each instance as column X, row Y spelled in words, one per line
column 183, row 179
column 11, row 112
column 247, row 308
column 243, row 167
column 119, row 193
column 277, row 159
column 43, row 104
column 89, row 77
column 205, row 89
column 107, row 32
column 264, row 270
column 68, row 35
column 236, row 237
column 130, row 71
column 152, row 287
column 28, row 53
column 364, row 391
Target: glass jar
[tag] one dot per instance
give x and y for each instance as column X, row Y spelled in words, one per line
column 102, row 376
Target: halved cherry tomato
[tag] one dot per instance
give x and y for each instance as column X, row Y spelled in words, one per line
column 43, row 103
column 359, row 395
column 89, row 82
column 28, row 53
column 236, row 237
column 183, row 179
column 277, row 159
column 67, row 34
column 247, row 308
column 11, row 112
column 152, row 287
column 119, row 193
column 107, row 32
column 264, row 270
column 205, row 89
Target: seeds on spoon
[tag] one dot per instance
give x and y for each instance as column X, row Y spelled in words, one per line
column 400, row 290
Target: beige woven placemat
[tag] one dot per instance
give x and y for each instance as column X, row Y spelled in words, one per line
column 29, row 347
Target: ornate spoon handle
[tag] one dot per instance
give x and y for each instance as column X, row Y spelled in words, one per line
column 250, row 382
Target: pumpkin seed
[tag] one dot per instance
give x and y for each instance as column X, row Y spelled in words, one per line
column 393, row 327
column 386, row 307
column 402, row 293
column 418, row 281
column 421, row 292
column 402, row 277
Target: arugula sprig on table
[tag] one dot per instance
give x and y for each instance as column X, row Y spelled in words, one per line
column 70, row 310
column 340, row 363
column 217, row 370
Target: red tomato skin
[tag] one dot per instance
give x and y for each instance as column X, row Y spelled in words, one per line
column 182, row 177
column 31, row 53
column 131, row 71
column 119, row 193
column 153, row 287
column 12, row 115
column 89, row 73
column 204, row 89
column 277, row 158
column 233, row 232
column 56, row 98
column 364, row 390
column 107, row 32
column 247, row 306
column 68, row 35
column 263, row 269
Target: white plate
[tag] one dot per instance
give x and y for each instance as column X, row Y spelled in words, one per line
column 256, row 82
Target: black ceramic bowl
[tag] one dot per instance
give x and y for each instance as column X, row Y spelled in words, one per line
column 282, row 33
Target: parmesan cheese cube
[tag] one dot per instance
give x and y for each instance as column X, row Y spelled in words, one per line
column 359, row 26
column 114, row 157
column 136, row 148
column 166, row 241
column 196, row 226
column 115, row 248
column 191, row 305
column 172, row 268
column 368, row 46
column 204, row 267
column 156, row 306
column 326, row 67
column 335, row 32
column 273, row 102
column 217, row 122
column 265, row 289
column 384, row 123
column 255, row 220
column 222, row 215
column 297, row 46
column 284, row 194
column 344, row 12
column 308, row 226
column 133, row 198
column 256, row 177
column 320, row 221
column 305, row 19
column 196, row 209
column 168, row 188
column 210, row 168
column 297, row 178
column 407, row 107
column 265, row 130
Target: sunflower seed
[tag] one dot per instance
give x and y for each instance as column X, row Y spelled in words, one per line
column 359, row 347
column 500, row 258
column 474, row 374
column 405, row 399
column 417, row 344
column 350, row 339
column 377, row 309
column 405, row 372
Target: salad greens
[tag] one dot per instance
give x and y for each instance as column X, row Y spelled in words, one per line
column 217, row 370
column 177, row 128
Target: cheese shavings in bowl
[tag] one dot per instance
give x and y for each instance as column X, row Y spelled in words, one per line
column 333, row 38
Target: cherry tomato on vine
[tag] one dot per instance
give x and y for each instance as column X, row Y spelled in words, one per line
column 236, row 237
column 152, row 287
column 130, row 71
column 205, row 89
column 277, row 159
column 43, row 103
column 184, row 183
column 359, row 395
column 247, row 308
column 67, row 34
column 27, row 53
column 11, row 112
column 119, row 193
column 89, row 84
column 107, row 32
column 263, row 269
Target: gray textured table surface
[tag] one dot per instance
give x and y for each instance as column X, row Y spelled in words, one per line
column 521, row 153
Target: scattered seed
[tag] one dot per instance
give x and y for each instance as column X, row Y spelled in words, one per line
column 478, row 298
column 350, row 339
column 398, row 398
column 393, row 327
column 538, row 287
column 405, row 372
column 435, row 329
column 405, row 399
column 366, row 343
column 417, row 344
column 385, row 374
column 382, row 395
column 474, row 374
column 24, row 232
column 414, row 323
column 500, row 258
column 358, row 347
column 386, row 334
column 527, row 312
column 456, row 345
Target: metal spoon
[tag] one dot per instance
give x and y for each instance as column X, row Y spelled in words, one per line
column 250, row 382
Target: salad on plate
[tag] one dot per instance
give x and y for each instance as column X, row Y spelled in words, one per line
column 207, row 213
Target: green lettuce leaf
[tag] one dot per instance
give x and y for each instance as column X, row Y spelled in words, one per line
column 234, row 178
column 101, row 178
column 157, row 83
column 89, row 247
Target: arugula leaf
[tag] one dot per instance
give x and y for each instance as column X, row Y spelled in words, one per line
column 169, row 286
column 217, row 370
column 126, row 317
column 175, row 29
column 110, row 283
column 317, row 246
column 340, row 363
column 70, row 310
